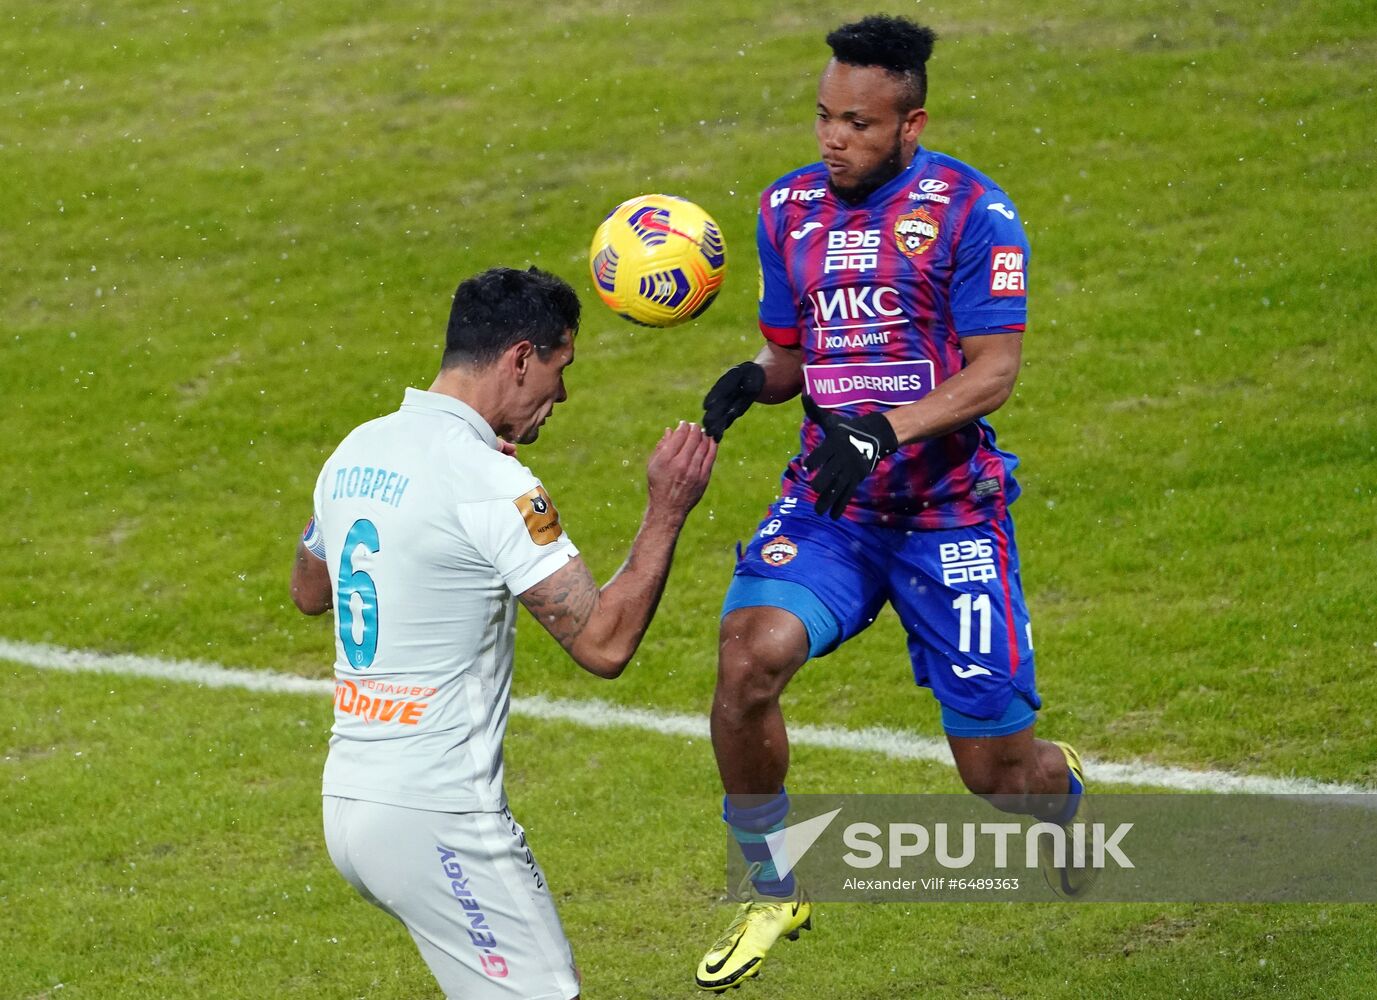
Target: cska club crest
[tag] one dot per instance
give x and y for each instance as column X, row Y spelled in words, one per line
column 915, row 232
column 779, row 551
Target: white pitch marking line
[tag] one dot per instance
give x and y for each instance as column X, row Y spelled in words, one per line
column 595, row 714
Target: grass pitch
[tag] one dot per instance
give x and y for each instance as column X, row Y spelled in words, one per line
column 230, row 234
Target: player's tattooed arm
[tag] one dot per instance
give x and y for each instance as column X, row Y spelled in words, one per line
column 564, row 601
column 601, row 627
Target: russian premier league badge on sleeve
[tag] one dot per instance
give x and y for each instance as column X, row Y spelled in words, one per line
column 538, row 511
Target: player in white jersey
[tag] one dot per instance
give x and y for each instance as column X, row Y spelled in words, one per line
column 425, row 531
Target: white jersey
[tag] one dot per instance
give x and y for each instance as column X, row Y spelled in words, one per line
column 429, row 533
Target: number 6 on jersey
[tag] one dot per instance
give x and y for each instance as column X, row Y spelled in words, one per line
column 358, row 598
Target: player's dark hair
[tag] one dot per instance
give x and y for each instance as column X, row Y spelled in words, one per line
column 894, row 44
column 503, row 306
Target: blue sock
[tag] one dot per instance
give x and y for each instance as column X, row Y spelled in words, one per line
column 749, row 827
column 1073, row 799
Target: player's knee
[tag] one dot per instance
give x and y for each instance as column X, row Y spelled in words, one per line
column 749, row 682
column 993, row 787
column 753, row 669
column 999, row 780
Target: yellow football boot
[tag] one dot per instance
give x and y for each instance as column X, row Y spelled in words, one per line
column 759, row 922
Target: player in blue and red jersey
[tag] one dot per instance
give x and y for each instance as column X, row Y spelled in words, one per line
column 893, row 298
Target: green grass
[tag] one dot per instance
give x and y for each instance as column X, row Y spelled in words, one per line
column 229, row 235
column 164, row 840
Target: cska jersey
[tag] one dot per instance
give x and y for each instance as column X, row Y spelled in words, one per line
column 878, row 295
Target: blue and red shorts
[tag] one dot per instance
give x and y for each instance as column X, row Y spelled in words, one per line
column 956, row 591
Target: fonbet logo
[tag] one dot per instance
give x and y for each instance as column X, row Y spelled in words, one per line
column 1006, row 272
column 1089, row 845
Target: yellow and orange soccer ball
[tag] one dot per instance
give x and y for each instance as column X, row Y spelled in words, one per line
column 658, row 260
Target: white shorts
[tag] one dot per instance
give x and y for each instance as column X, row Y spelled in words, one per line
column 467, row 888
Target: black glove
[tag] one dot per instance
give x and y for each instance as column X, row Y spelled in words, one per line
column 731, row 396
column 849, row 453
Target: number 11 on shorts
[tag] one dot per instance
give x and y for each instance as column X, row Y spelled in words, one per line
column 966, row 605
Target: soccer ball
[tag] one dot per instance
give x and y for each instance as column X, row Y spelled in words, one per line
column 658, row 260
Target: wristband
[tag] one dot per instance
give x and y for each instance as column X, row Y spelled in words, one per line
column 313, row 539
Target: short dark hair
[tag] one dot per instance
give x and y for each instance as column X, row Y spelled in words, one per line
column 503, row 306
column 894, row 44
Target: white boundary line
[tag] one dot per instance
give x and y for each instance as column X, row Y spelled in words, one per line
column 594, row 714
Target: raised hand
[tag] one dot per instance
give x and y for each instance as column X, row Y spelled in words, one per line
column 849, row 452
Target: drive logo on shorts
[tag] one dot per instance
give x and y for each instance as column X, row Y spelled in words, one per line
column 538, row 511
column 1006, row 272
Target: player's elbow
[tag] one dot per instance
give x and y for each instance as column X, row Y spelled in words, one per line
column 308, row 603
column 607, row 666
column 310, row 585
column 999, row 397
column 610, row 670
column 603, row 659
column 1001, row 387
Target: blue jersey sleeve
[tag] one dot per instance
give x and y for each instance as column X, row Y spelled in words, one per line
column 778, row 304
column 989, row 284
